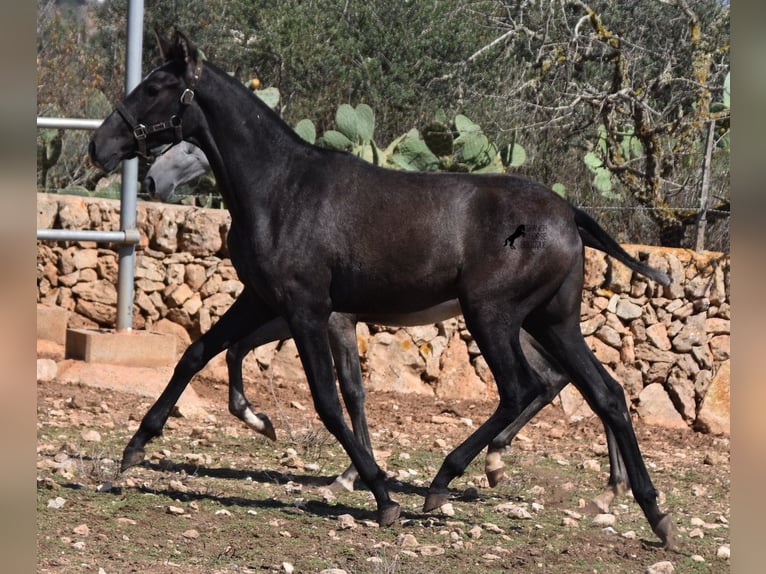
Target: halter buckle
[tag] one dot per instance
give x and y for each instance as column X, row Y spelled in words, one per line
column 187, row 97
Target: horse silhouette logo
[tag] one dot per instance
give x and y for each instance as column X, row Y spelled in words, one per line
column 520, row 231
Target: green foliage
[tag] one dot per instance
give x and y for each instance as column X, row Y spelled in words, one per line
column 306, row 129
column 630, row 149
column 412, row 154
column 420, row 64
column 357, row 124
column 269, row 96
column 724, row 106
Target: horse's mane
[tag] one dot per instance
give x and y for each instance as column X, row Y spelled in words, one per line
column 251, row 99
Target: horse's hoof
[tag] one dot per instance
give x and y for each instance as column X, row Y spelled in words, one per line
column 132, row 456
column 268, row 428
column 435, row 500
column 494, row 476
column 389, row 514
column 667, row 532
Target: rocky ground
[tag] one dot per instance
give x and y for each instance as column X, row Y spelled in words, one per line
column 214, row 497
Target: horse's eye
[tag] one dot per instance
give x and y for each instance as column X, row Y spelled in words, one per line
column 152, row 90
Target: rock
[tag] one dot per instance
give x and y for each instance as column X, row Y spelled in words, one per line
column 101, row 291
column 394, row 364
column 46, row 370
column 619, row 277
column 595, row 268
column 407, row 541
column 604, row 353
column 573, row 403
column 681, row 391
column 514, row 510
column 656, row 408
column 603, row 520
column 658, row 336
column 458, row 379
column 346, row 522
column 200, row 234
column 609, row 336
column 447, row 509
column 691, row 335
column 592, row 325
column 664, row 567
column 724, row 552
column 56, row 503
column 74, row 215
column 90, row 435
column 627, row 311
column 190, row 534
column 165, row 236
column 720, row 347
column 714, row 413
column 431, row 550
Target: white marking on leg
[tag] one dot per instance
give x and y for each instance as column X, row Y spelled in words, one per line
column 253, row 421
column 346, row 480
column 493, row 461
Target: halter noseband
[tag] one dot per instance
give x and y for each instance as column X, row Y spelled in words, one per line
column 141, row 131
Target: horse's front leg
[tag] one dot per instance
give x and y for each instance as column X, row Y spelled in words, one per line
column 310, row 332
column 237, row 322
column 345, row 352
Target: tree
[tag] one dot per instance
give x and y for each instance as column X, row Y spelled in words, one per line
column 612, row 100
column 629, row 84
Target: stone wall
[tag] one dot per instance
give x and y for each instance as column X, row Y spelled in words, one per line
column 668, row 346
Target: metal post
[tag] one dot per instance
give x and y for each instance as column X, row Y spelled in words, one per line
column 129, row 191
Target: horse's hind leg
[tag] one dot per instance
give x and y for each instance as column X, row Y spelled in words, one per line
column 517, row 386
column 553, row 379
column 232, row 326
column 557, row 328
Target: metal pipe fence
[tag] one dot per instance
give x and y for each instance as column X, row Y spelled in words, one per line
column 128, row 236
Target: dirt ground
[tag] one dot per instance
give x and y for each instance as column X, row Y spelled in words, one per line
column 215, row 497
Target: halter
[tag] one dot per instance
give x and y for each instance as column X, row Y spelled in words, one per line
column 141, row 131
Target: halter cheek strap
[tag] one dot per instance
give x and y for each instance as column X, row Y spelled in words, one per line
column 141, row 131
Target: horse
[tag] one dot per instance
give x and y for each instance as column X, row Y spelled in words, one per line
column 179, row 164
column 183, row 162
column 315, row 231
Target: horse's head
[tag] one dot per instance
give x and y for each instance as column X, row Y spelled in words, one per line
column 181, row 163
column 158, row 111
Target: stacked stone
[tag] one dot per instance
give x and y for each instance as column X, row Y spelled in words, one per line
column 668, row 346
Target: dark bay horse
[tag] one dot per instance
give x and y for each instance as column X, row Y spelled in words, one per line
column 183, row 162
column 315, row 232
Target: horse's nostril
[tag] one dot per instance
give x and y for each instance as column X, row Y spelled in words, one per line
column 149, row 186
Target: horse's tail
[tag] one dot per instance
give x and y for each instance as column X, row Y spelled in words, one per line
column 593, row 235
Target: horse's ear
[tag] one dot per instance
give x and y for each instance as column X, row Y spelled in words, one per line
column 163, row 44
column 186, row 48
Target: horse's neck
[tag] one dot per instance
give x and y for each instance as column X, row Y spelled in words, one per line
column 245, row 143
